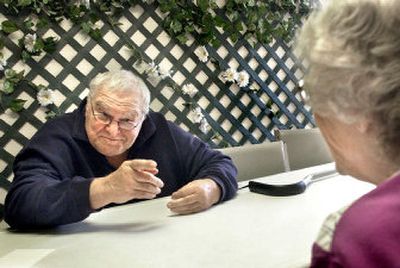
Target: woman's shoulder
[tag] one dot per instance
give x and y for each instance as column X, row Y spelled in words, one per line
column 373, row 219
column 378, row 207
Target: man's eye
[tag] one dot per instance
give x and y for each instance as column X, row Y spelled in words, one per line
column 104, row 115
column 127, row 120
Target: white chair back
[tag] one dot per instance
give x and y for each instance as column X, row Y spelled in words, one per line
column 305, row 147
column 256, row 160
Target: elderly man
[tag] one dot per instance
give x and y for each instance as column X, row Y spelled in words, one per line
column 353, row 52
column 111, row 150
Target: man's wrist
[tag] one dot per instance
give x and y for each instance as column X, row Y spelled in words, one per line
column 100, row 193
column 215, row 191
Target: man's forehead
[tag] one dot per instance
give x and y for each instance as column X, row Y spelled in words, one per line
column 125, row 99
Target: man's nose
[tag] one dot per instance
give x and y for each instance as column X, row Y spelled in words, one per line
column 113, row 128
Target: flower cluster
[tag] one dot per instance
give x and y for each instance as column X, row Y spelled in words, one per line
column 11, row 81
column 190, row 90
column 231, row 75
column 196, row 114
column 199, row 118
column 153, row 70
column 33, row 45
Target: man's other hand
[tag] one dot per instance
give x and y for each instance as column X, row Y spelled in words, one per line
column 195, row 196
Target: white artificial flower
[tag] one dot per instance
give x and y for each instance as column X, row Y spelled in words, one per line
column 254, row 87
column 242, row 79
column 86, row 3
column 204, row 126
column 197, row 115
column 163, row 73
column 230, row 75
column 45, row 97
column 29, row 42
column 152, row 70
column 190, row 90
column 301, row 83
column 202, row 53
column 3, row 63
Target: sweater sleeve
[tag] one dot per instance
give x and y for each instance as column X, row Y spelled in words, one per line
column 200, row 161
column 46, row 190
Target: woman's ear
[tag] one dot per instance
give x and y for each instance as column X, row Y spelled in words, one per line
column 363, row 125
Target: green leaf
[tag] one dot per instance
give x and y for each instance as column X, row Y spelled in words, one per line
column 176, row 26
column 234, row 37
column 42, row 23
column 219, row 21
column 1, row 43
column 50, row 44
column 9, row 26
column 182, row 38
column 238, row 26
column 86, row 27
column 28, row 24
column 9, row 73
column 16, row 105
column 24, row 3
column 189, row 28
column 215, row 43
column 251, row 27
column 25, row 55
column 269, row 103
column 39, row 45
column 19, row 76
column 8, row 87
column 95, row 34
column 187, row 104
column 203, row 5
column 40, row 87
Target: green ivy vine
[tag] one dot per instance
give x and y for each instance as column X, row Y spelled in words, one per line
column 255, row 20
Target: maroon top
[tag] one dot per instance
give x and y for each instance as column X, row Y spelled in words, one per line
column 366, row 235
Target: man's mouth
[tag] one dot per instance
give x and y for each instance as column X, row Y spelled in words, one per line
column 112, row 139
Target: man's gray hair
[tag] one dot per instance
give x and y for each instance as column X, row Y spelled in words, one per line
column 352, row 49
column 121, row 80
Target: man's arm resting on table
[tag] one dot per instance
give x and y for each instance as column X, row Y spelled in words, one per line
column 195, row 196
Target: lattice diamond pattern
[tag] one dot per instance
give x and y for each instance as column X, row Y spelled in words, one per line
column 239, row 116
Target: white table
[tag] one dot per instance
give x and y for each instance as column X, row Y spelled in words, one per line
column 252, row 230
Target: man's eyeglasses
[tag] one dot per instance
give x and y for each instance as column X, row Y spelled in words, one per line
column 106, row 119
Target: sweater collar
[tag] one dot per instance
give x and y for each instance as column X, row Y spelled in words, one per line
column 79, row 132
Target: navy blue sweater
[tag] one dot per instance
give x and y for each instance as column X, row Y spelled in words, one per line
column 53, row 172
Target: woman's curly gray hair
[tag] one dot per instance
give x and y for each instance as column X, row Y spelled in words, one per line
column 352, row 49
column 122, row 80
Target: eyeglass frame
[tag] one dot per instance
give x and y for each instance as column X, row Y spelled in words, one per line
column 111, row 119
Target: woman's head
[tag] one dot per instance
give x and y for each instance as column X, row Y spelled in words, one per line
column 352, row 49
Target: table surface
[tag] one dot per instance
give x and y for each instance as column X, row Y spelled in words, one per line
column 252, row 230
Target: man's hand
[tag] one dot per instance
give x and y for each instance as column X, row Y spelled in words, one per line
column 134, row 179
column 195, row 196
